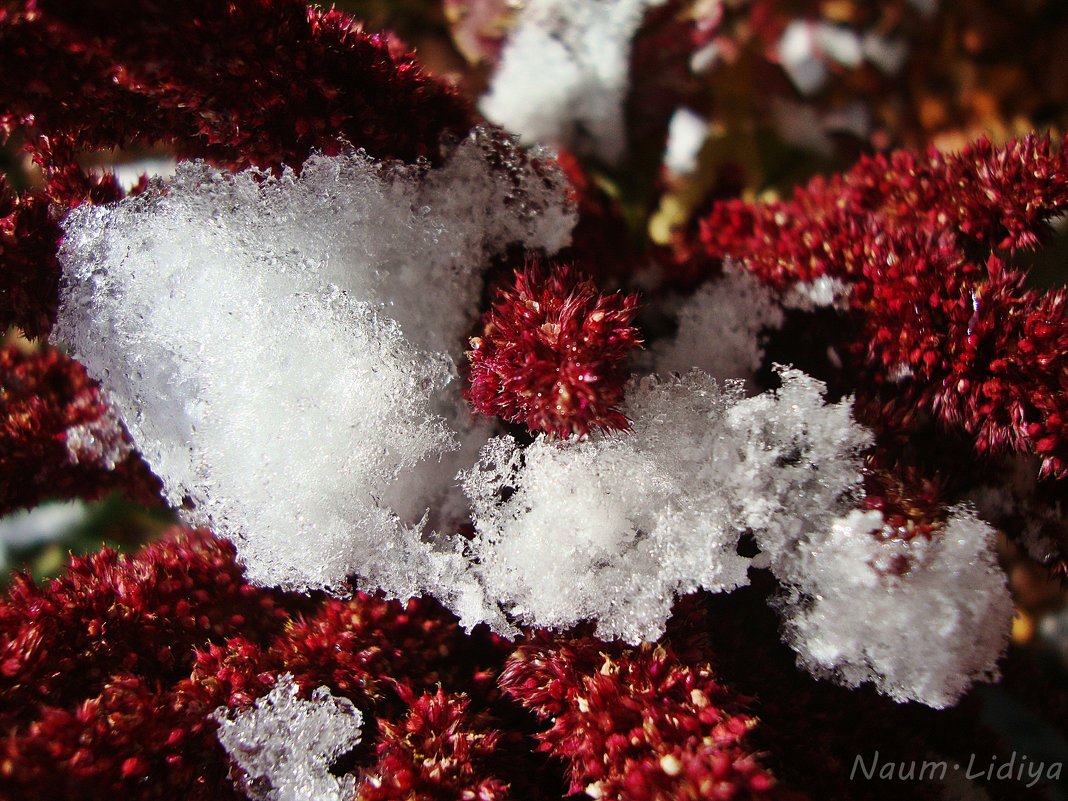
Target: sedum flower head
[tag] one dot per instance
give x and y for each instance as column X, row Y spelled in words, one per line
column 552, row 351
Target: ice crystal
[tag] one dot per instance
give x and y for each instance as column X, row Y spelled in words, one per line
column 99, row 442
column 721, row 328
column 285, row 746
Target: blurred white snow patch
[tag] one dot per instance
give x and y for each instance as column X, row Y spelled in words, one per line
column 926, row 7
column 821, row 292
column 129, row 173
column 284, row 746
column 888, row 53
column 801, row 125
column 806, row 127
column 564, row 72
column 853, row 118
column 45, row 523
column 799, row 57
column 806, row 46
column 722, row 328
column 922, row 619
column 269, row 343
column 687, row 133
column 615, row 527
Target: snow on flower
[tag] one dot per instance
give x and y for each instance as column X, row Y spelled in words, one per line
column 922, row 618
column 451, row 543
column 733, row 311
column 232, row 318
column 615, row 527
column 235, row 318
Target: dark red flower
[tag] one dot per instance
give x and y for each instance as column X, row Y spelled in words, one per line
column 247, row 82
column 29, row 271
column 57, row 436
column 941, row 325
column 638, row 723
column 91, row 699
column 437, row 751
column 552, row 353
column 600, row 240
column 109, row 677
column 990, row 197
column 367, row 648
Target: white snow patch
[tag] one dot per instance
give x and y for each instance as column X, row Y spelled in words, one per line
column 687, row 133
column 615, row 527
column 818, row 293
column 722, row 328
column 101, row 442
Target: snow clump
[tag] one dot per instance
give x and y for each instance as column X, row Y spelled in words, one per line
column 614, row 527
column 923, row 619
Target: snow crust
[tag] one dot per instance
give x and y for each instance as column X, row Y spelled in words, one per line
column 564, row 72
column 284, row 746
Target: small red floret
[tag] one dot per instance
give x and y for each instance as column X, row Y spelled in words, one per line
column 552, row 353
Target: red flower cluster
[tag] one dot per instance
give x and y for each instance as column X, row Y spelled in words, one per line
column 30, row 273
column 943, row 327
column 45, row 398
column 109, row 677
column 438, row 750
column 552, row 353
column 247, row 82
column 638, row 723
column 89, row 666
